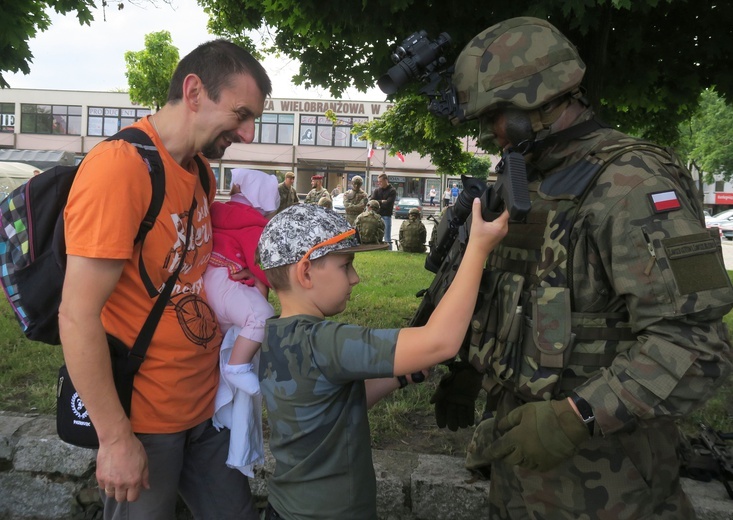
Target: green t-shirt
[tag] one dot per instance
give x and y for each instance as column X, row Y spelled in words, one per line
column 312, row 374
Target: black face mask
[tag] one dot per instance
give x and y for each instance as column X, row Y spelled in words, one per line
column 518, row 126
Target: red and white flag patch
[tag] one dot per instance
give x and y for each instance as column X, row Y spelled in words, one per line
column 665, row 201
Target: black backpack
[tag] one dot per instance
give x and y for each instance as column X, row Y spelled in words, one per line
column 32, row 245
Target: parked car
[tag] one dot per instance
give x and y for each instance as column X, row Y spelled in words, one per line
column 719, row 218
column 403, row 206
column 726, row 229
column 338, row 204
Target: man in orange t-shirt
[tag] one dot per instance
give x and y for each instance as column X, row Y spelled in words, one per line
column 168, row 445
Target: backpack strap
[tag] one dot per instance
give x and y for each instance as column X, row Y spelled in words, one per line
column 149, row 153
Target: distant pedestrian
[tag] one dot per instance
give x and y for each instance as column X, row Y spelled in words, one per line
column 454, row 191
column 433, row 194
column 446, row 197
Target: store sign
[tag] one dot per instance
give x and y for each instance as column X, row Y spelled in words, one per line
column 7, row 121
column 723, row 198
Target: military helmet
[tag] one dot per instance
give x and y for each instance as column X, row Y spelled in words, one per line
column 357, row 180
column 524, row 62
column 413, row 211
column 374, row 204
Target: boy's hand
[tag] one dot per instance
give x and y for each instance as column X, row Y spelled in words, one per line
column 487, row 234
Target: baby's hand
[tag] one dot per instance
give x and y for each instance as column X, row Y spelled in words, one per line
column 487, row 234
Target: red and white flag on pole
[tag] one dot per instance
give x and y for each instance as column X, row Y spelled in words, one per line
column 370, row 152
column 400, row 156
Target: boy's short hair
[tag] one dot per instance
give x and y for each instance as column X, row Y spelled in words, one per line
column 290, row 175
column 303, row 228
column 374, row 204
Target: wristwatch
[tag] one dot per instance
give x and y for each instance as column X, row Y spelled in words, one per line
column 585, row 410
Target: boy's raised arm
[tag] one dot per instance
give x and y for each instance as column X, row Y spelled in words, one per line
column 440, row 338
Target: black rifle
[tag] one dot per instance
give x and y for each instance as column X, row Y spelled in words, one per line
column 707, row 456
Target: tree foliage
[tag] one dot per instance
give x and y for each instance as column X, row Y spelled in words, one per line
column 149, row 71
column 647, row 60
column 405, row 128
column 707, row 138
column 21, row 20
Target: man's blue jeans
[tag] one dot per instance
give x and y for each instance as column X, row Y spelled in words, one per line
column 388, row 230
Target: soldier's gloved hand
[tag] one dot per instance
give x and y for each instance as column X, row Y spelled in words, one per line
column 455, row 397
column 477, row 458
column 539, row 435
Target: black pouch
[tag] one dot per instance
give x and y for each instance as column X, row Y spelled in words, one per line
column 72, row 419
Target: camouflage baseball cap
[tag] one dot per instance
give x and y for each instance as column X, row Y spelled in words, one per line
column 374, row 204
column 524, row 62
column 307, row 228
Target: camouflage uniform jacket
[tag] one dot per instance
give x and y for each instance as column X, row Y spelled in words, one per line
column 370, row 227
column 288, row 196
column 312, row 375
column 315, row 195
column 354, row 203
column 622, row 302
column 413, row 235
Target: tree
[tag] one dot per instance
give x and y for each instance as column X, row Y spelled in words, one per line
column 707, row 138
column 149, row 71
column 647, row 60
column 21, row 20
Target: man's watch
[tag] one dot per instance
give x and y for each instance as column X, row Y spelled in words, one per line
column 585, row 410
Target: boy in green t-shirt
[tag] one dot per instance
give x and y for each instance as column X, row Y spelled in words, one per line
column 319, row 377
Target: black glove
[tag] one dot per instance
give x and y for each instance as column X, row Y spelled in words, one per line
column 455, row 397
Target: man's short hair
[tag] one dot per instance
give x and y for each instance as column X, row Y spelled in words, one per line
column 383, row 176
column 290, row 175
column 215, row 63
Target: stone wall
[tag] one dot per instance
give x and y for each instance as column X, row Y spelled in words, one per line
column 43, row 478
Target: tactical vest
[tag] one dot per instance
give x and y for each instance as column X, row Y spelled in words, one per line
column 525, row 333
column 412, row 240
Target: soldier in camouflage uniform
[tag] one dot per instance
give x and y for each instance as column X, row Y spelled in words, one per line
column 370, row 225
column 325, row 202
column 319, row 377
column 288, row 196
column 413, row 233
column 599, row 320
column 318, row 191
column 355, row 200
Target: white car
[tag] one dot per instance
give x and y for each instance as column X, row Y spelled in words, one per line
column 338, row 204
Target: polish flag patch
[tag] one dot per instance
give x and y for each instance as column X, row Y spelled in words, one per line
column 665, row 201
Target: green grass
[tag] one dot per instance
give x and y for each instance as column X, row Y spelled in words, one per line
column 384, row 298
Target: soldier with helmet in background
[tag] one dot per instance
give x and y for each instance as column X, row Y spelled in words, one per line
column 355, row 200
column 413, row 233
column 370, row 225
column 599, row 320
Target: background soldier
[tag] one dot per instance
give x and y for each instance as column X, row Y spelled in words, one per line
column 596, row 328
column 413, row 233
column 325, row 202
column 318, row 191
column 288, row 196
column 355, row 200
column 370, row 225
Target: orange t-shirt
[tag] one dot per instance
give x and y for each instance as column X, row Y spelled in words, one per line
column 175, row 387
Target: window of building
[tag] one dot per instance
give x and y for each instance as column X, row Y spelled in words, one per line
column 107, row 121
column 7, row 117
column 274, row 129
column 50, row 119
column 321, row 131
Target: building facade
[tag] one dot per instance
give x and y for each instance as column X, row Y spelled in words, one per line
column 292, row 135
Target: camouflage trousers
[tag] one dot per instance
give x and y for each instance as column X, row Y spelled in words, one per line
column 623, row 476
